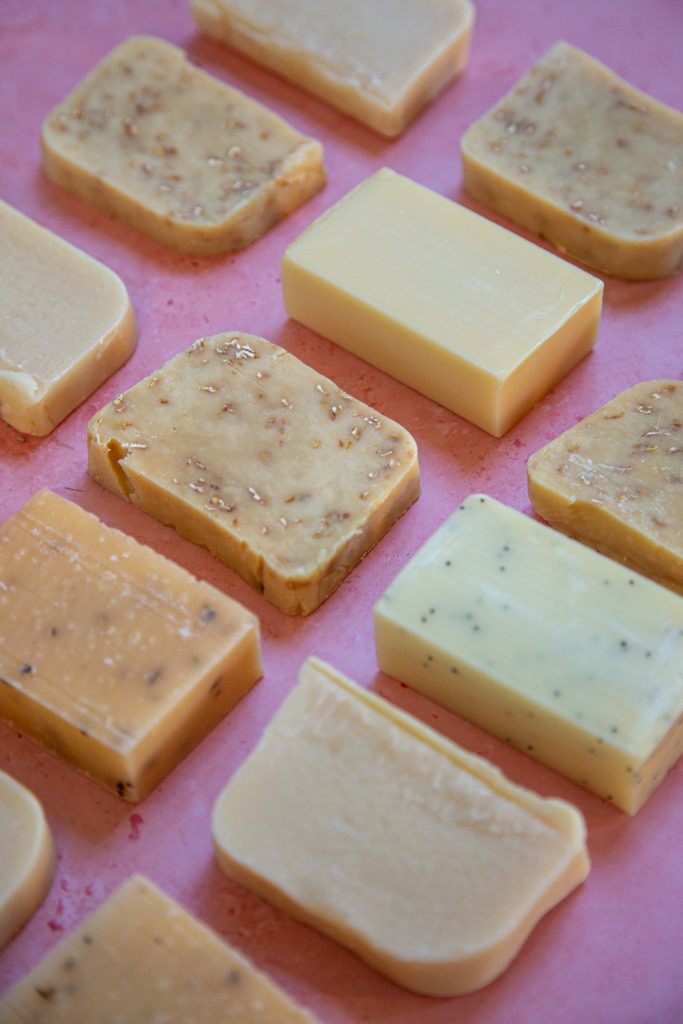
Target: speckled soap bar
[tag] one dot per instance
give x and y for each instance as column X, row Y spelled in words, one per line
column 554, row 648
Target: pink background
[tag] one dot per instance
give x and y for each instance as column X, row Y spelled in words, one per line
column 612, row 951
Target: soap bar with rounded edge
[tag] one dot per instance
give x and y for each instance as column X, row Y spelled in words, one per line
column 545, row 643
column 27, row 856
column 140, row 957
column 66, row 324
column 455, row 306
column 177, row 154
column 246, row 450
column 615, row 480
column 582, row 158
column 421, row 858
column 380, row 62
column 111, row 655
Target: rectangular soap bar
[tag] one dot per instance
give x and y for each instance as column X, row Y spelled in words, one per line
column 246, row 450
column 177, row 154
column 66, row 324
column 420, row 857
column 462, row 310
column 556, row 649
column 141, row 958
column 380, row 62
column 110, row 655
column 582, row 158
column 615, row 480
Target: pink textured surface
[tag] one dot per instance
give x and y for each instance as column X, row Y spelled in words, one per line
column 612, row 951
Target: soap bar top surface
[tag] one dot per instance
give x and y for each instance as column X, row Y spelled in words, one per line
column 420, row 857
column 66, row 324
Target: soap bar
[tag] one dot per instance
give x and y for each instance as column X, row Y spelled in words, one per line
column 66, row 324
column 462, row 310
column 582, row 158
column 615, row 480
column 248, row 451
column 420, row 857
column 379, row 62
column 545, row 643
column 177, row 154
column 111, row 655
column 140, row 957
column 27, row 856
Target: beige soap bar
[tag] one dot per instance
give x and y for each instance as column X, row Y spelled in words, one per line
column 142, row 958
column 27, row 856
column 111, row 655
column 615, row 480
column 380, row 62
column 177, row 154
column 582, row 158
column 462, row 310
column 554, row 648
column 66, row 324
column 248, row 451
column 420, row 857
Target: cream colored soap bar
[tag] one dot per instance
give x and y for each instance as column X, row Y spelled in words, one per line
column 380, row 62
column 561, row 652
column 465, row 312
column 27, row 856
column 177, row 154
column 66, row 324
column 246, row 450
column 615, row 480
column 421, row 858
column 111, row 655
column 579, row 156
column 142, row 958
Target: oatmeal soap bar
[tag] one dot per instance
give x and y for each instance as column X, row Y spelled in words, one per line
column 421, row 858
column 582, row 158
column 380, row 62
column 66, row 324
column 177, row 154
column 545, row 643
column 111, row 655
column 248, row 451
column 455, row 306
column 141, row 958
column 615, row 480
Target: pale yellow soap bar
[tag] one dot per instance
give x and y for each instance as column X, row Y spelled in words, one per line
column 246, row 450
column 579, row 156
column 462, row 310
column 380, row 62
column 420, row 857
column 556, row 649
column 615, row 480
column 177, row 154
column 66, row 324
column 27, row 856
column 111, row 655
column 142, row 958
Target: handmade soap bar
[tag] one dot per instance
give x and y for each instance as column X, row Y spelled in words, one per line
column 66, row 324
column 142, row 958
column 554, row 648
column 579, row 156
column 246, row 450
column 379, row 62
column 420, row 857
column 177, row 154
column 465, row 312
column 615, row 480
column 27, row 856
column 110, row 655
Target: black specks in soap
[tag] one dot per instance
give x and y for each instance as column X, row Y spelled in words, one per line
column 87, row 940
column 614, row 729
column 448, row 563
column 557, row 693
column 54, row 631
column 69, row 963
column 26, row 669
column 454, row 670
column 154, row 676
column 207, row 614
column 121, row 787
column 48, row 992
column 623, row 644
column 215, row 687
column 233, row 977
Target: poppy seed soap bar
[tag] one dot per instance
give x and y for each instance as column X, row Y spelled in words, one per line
column 545, row 643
